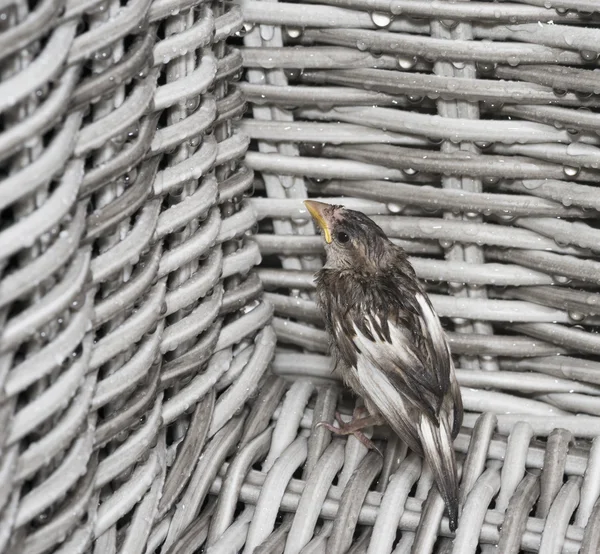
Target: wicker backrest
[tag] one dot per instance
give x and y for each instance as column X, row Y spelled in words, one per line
column 469, row 132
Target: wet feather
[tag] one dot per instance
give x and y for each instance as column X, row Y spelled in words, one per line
column 390, row 343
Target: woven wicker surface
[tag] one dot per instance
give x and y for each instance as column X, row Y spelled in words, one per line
column 140, row 411
column 127, row 311
column 469, row 132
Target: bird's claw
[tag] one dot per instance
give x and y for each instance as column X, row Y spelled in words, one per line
column 346, row 429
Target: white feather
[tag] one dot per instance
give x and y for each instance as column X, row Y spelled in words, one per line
column 431, row 320
column 399, row 347
column 382, row 393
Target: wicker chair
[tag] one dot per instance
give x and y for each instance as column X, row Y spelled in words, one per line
column 159, row 393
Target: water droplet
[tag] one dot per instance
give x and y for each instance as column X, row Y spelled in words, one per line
column 98, row 8
column 245, row 29
column 293, row 32
column 567, row 201
column 143, row 73
column 394, row 208
column 456, row 287
column 414, row 98
column 427, row 226
column 119, row 139
column 407, row 63
column 506, row 216
column 483, row 145
column 588, row 55
column 192, row 104
column 103, row 54
column 361, row 45
column 486, row 67
column 513, row 61
column 492, row 105
column 570, row 171
column 449, row 23
column 133, row 132
column 267, row 32
column 592, row 299
column 559, row 92
column 130, row 176
column 576, row 316
column 381, row 19
column 490, row 180
column 78, row 302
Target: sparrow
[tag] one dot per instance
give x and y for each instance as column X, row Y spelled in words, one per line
column 388, row 343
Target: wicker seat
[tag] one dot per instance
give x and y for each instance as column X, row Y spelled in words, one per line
column 162, row 360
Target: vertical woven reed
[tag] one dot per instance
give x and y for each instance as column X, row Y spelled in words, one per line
column 132, row 328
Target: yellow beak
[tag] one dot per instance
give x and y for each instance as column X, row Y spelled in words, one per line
column 317, row 209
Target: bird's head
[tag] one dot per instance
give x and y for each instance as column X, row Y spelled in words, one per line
column 352, row 240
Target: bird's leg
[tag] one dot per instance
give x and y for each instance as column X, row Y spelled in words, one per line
column 354, row 426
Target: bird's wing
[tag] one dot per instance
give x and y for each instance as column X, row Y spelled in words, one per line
column 395, row 408
column 434, row 343
column 401, row 369
column 405, row 361
column 438, row 351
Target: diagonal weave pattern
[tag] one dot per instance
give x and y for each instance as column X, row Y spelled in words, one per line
column 469, row 132
column 131, row 328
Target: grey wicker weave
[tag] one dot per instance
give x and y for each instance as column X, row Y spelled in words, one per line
column 469, row 132
column 156, row 399
column 132, row 332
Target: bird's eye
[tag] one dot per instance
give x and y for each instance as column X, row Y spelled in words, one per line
column 342, row 237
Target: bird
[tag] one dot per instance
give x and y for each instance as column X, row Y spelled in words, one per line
column 388, row 343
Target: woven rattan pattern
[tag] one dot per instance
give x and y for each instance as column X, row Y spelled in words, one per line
column 469, row 132
column 137, row 414
column 132, row 330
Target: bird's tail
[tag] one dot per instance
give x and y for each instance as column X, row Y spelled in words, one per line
column 439, row 453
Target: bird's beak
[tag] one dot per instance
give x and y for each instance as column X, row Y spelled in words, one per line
column 317, row 210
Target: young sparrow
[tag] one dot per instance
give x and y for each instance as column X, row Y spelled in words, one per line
column 388, row 342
